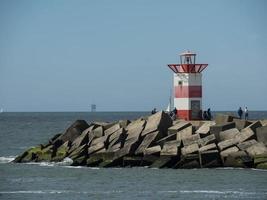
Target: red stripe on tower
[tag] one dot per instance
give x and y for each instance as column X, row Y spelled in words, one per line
column 188, row 91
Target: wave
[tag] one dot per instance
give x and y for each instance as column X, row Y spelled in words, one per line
column 6, row 159
column 218, row 192
column 66, row 162
column 58, row 192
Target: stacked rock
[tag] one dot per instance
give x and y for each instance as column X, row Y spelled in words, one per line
column 157, row 141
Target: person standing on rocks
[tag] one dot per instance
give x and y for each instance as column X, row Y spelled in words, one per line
column 209, row 114
column 240, row 113
column 154, row 111
column 246, row 113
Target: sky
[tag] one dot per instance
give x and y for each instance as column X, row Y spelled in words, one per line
column 66, row 55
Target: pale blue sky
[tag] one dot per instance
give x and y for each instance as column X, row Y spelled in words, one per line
column 64, row 55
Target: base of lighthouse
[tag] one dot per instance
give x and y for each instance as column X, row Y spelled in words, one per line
column 188, row 95
column 193, row 109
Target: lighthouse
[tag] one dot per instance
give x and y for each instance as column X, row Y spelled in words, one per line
column 187, row 85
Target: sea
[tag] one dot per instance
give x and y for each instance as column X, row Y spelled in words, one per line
column 55, row 181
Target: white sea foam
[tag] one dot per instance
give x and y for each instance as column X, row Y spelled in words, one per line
column 7, row 159
column 59, row 192
column 217, row 192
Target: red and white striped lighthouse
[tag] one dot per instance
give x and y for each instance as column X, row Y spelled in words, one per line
column 187, row 82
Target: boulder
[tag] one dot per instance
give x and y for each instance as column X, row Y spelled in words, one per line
column 45, row 154
column 238, row 159
column 129, row 148
column 227, row 143
column 147, row 142
column 80, row 151
column 216, row 129
column 245, row 134
column 178, row 127
column 184, row 133
column 160, row 121
column 245, row 145
column 204, row 129
column 170, row 148
column 132, row 161
column 74, row 131
column 262, row 166
column 135, row 128
column 254, row 126
column 165, row 139
column 206, row 140
column 241, row 123
column 208, row 147
column 261, row 133
column 228, row 151
column 152, row 150
column 29, row 155
column 112, row 129
column 256, row 149
column 190, row 149
column 124, row 123
column 79, row 141
column 102, row 139
column 260, row 158
column 62, row 152
column 98, row 132
column 228, row 134
column 161, row 162
column 190, row 140
column 223, row 119
column 96, row 148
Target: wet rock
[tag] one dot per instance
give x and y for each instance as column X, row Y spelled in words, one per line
column 261, row 133
column 62, row 152
column 45, row 154
column 161, row 162
column 238, row 159
column 260, row 158
column 29, row 155
column 262, row 165
column 160, row 121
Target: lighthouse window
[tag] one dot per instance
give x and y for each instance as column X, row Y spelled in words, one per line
column 180, row 82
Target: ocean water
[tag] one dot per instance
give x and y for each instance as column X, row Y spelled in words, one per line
column 19, row 131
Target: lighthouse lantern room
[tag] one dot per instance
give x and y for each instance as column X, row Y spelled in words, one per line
column 187, row 85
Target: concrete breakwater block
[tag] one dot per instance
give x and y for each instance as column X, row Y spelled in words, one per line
column 156, row 141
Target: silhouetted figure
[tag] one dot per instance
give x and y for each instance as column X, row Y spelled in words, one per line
column 153, row 111
column 175, row 111
column 240, row 113
column 246, row 113
column 209, row 114
column 205, row 115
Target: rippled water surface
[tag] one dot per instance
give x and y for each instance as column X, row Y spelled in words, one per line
column 19, row 131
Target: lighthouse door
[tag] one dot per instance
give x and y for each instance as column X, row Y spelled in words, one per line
column 195, row 109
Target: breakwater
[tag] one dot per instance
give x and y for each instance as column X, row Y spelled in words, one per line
column 157, row 141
